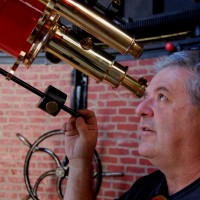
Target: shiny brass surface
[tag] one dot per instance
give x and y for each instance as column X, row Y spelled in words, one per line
column 94, row 62
column 42, row 33
column 97, row 25
column 51, row 36
column 20, row 59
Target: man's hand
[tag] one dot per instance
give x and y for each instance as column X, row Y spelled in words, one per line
column 80, row 142
column 81, row 136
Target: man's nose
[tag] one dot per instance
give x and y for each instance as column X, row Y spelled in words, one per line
column 144, row 109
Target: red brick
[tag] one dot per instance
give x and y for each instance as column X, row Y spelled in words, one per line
column 117, row 120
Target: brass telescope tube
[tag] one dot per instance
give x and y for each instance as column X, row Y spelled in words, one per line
column 95, row 24
column 98, row 64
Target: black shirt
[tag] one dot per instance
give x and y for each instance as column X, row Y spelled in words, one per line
column 155, row 184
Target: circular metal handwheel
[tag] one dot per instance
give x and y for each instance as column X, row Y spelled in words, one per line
column 61, row 170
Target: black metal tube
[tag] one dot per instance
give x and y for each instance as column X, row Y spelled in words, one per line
column 23, row 84
column 35, row 91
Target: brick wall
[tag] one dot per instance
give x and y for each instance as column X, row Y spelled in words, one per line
column 117, row 141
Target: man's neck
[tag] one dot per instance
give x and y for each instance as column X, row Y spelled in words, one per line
column 181, row 178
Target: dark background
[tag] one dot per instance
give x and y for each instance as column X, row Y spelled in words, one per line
column 157, row 22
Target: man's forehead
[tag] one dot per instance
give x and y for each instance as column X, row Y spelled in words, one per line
column 169, row 78
column 172, row 74
column 165, row 76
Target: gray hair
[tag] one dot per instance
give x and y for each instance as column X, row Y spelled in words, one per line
column 190, row 60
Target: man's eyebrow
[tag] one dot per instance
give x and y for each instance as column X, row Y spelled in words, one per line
column 162, row 88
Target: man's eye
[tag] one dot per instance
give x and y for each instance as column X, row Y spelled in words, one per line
column 162, row 97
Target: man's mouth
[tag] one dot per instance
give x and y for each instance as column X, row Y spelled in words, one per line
column 146, row 129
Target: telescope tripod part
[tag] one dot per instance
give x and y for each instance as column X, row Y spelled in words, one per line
column 59, row 172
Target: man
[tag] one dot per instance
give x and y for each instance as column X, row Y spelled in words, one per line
column 170, row 136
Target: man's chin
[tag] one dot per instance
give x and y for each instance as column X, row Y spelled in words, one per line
column 145, row 150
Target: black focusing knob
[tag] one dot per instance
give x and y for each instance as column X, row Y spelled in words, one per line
column 53, row 101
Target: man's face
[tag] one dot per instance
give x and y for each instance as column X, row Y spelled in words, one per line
column 170, row 124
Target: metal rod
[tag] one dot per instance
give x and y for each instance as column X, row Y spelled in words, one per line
column 36, row 91
column 70, row 111
column 23, row 84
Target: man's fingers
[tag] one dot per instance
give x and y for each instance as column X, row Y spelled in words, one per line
column 70, row 125
column 88, row 116
column 81, row 126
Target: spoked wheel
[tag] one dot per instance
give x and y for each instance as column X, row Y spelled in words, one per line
column 59, row 172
